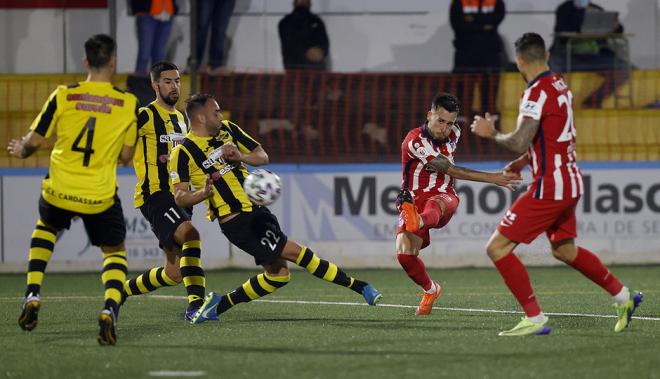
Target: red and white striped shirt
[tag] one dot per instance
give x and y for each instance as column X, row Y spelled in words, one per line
column 419, row 148
column 552, row 152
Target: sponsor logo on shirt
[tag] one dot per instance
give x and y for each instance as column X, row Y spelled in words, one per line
column 175, row 138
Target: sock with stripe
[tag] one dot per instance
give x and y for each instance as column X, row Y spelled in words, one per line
column 115, row 266
column 193, row 273
column 414, row 267
column 517, row 279
column 148, row 281
column 254, row 288
column 41, row 250
column 590, row 266
column 327, row 271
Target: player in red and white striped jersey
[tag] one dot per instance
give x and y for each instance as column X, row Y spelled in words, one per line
column 545, row 135
column 427, row 157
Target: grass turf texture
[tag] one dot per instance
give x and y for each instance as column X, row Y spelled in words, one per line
column 273, row 339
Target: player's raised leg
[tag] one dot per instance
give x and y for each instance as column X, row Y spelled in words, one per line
column 500, row 251
column 436, row 212
column 588, row 263
column 304, row 257
column 41, row 250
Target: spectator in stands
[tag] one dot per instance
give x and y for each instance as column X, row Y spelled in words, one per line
column 213, row 15
column 586, row 54
column 478, row 50
column 303, row 38
column 154, row 23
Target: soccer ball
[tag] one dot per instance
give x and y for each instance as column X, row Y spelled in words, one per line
column 263, row 187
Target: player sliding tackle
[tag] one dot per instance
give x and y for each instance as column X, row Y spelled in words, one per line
column 250, row 227
column 427, row 155
column 545, row 135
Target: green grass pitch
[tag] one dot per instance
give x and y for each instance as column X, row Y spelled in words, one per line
column 314, row 329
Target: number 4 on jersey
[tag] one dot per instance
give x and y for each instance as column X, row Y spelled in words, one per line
column 88, row 129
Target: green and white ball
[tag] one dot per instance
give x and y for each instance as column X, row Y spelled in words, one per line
column 262, row 186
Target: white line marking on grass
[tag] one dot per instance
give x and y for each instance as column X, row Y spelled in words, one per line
column 475, row 310
column 177, row 374
column 451, row 309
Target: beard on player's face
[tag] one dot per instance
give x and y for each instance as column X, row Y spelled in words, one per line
column 169, row 98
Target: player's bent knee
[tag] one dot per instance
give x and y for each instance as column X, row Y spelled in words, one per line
column 408, row 244
column 291, row 251
column 494, row 252
column 557, row 255
column 278, row 269
column 174, row 272
column 562, row 256
column 407, row 252
column 187, row 232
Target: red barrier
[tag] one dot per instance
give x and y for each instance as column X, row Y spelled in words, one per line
column 307, row 116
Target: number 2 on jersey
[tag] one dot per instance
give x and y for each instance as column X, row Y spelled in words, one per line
column 88, row 129
column 569, row 127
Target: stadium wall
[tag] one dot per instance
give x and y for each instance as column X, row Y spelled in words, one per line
column 346, row 212
column 370, row 35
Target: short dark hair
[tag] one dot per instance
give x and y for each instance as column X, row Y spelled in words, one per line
column 531, row 47
column 99, row 48
column 197, row 102
column 158, row 68
column 447, row 101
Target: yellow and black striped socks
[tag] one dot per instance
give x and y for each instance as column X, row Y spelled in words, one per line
column 115, row 266
column 193, row 273
column 256, row 287
column 148, row 281
column 327, row 271
column 41, row 249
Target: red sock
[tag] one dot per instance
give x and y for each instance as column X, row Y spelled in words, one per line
column 431, row 214
column 415, row 269
column 516, row 278
column 590, row 266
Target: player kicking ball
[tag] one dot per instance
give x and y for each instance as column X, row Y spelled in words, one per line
column 545, row 136
column 427, row 199
column 219, row 149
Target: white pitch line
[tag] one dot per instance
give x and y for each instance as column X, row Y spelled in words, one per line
column 177, row 374
column 453, row 309
column 475, row 310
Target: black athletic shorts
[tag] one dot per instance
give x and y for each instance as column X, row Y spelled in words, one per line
column 107, row 228
column 165, row 216
column 257, row 233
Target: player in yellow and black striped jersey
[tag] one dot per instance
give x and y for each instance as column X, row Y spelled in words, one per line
column 161, row 126
column 95, row 124
column 218, row 150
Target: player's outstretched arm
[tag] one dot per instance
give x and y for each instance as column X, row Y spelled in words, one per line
column 186, row 198
column 256, row 157
column 442, row 165
column 517, row 141
column 26, row 146
column 517, row 165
